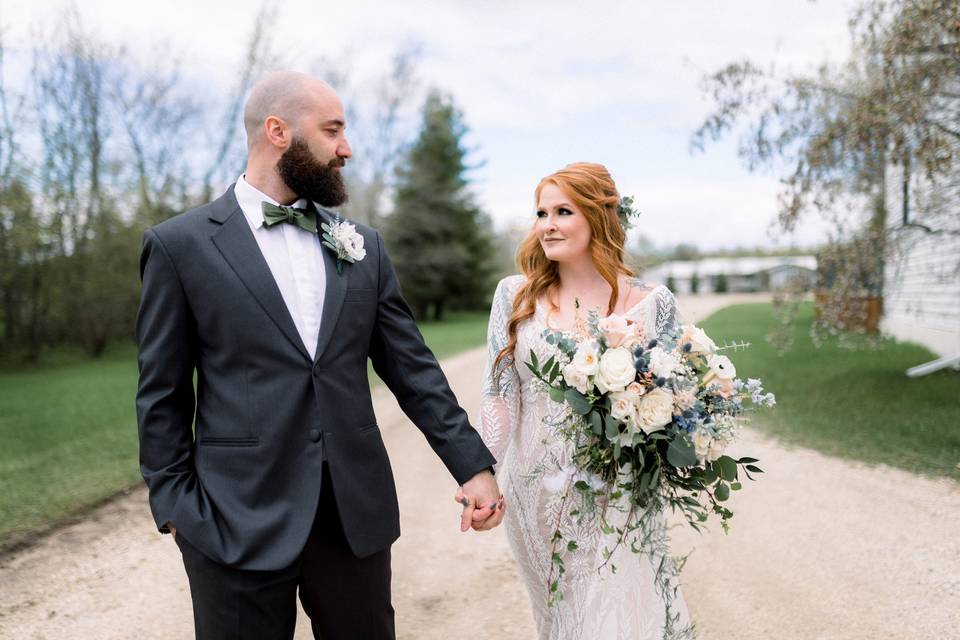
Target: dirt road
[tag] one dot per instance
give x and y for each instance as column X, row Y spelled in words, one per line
column 820, row 549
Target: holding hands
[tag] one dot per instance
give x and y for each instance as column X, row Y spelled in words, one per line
column 483, row 505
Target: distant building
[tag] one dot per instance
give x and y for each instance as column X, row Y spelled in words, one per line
column 735, row 275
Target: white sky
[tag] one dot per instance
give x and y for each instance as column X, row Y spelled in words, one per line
column 541, row 84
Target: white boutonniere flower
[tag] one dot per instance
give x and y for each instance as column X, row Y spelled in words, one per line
column 342, row 238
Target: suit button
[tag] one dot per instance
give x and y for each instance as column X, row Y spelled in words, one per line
column 315, row 435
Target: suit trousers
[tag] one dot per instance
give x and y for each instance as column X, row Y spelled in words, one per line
column 345, row 597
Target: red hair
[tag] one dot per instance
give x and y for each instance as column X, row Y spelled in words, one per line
column 593, row 191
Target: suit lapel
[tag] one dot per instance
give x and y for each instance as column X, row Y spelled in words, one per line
column 335, row 291
column 240, row 249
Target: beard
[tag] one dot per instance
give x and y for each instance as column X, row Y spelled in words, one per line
column 311, row 179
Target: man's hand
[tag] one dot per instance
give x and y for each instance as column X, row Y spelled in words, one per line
column 483, row 505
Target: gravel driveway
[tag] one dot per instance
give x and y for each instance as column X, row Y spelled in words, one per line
column 820, row 549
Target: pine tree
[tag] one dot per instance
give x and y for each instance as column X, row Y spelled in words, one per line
column 439, row 240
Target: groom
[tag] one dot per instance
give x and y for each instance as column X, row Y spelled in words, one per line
column 273, row 476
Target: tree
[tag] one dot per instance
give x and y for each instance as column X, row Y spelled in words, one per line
column 685, row 252
column 833, row 134
column 94, row 146
column 439, row 239
column 720, row 284
column 695, row 283
column 671, row 284
column 379, row 136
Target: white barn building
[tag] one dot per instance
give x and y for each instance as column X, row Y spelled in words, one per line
column 739, row 274
column 922, row 278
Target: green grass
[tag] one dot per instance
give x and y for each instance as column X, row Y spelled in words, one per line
column 852, row 404
column 69, row 439
column 69, row 435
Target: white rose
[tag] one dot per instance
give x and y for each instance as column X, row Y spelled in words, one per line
column 655, row 410
column 721, row 367
column 576, row 379
column 354, row 247
column 616, row 370
column 663, row 363
column 701, row 443
column 587, row 358
column 623, row 406
column 352, row 242
column 699, row 341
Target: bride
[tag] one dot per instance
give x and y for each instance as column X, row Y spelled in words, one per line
column 572, row 261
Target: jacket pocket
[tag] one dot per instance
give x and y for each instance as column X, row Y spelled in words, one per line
column 360, row 295
column 212, row 441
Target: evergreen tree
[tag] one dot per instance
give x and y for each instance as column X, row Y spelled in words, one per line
column 440, row 242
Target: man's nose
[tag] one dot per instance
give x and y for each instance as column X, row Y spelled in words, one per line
column 344, row 150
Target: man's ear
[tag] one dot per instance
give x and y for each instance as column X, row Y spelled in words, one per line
column 277, row 132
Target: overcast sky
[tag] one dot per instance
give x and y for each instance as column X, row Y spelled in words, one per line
column 541, row 84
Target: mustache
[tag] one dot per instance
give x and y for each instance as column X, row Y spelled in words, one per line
column 338, row 162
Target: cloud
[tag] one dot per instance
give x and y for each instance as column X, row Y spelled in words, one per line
column 540, row 83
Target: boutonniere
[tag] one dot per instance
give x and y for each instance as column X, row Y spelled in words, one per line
column 342, row 238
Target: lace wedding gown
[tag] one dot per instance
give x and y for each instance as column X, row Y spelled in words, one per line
column 514, row 423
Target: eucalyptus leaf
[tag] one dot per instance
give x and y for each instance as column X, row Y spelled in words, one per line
column 556, row 394
column 728, row 468
column 722, row 492
column 596, row 422
column 612, row 431
column 577, row 401
column 681, row 453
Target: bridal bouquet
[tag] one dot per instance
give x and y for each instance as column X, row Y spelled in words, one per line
column 650, row 419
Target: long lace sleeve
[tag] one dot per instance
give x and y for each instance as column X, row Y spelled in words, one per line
column 666, row 318
column 500, row 395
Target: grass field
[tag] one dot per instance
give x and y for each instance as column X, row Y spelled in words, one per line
column 853, row 404
column 69, row 432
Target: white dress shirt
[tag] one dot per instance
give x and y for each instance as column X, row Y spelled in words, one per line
column 295, row 258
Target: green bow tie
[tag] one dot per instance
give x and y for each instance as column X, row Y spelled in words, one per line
column 303, row 218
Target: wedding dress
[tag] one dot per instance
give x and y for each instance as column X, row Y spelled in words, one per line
column 514, row 423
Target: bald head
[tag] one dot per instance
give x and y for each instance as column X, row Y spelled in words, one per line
column 288, row 95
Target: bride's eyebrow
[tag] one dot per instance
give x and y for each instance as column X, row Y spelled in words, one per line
column 559, row 205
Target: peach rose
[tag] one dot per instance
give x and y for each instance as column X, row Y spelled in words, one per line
column 615, row 329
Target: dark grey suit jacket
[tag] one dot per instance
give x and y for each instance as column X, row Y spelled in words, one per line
column 242, row 485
